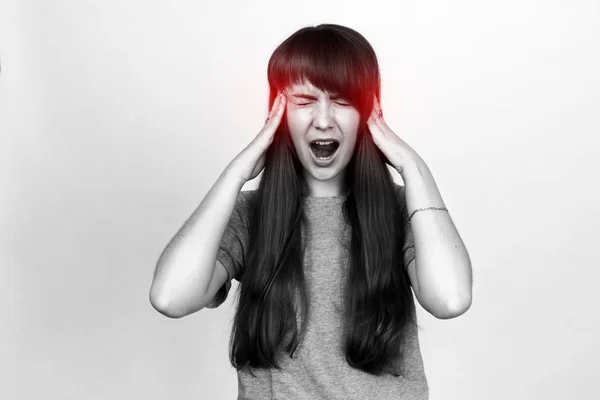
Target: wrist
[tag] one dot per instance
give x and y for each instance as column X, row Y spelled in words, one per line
column 232, row 174
column 413, row 169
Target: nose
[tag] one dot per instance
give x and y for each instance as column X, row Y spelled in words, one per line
column 324, row 117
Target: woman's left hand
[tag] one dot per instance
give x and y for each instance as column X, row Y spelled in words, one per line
column 398, row 153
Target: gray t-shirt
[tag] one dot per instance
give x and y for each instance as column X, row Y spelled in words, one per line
column 319, row 369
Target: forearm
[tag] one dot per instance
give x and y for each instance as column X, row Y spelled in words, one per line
column 185, row 267
column 443, row 267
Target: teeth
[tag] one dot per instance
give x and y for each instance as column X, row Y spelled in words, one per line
column 324, row 142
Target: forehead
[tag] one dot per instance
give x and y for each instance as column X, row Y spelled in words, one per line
column 306, row 87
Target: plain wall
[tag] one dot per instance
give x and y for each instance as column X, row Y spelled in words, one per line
column 116, row 118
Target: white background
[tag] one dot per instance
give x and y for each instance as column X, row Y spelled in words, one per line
column 116, row 117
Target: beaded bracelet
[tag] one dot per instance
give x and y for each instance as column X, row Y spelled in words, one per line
column 423, row 209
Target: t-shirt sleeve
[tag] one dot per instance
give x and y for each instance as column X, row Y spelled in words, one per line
column 408, row 247
column 233, row 247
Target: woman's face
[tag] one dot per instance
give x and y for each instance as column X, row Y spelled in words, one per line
column 316, row 115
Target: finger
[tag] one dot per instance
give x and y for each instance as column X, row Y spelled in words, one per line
column 272, row 110
column 380, row 125
column 275, row 107
column 374, row 128
column 374, row 111
column 377, row 124
column 378, row 115
column 376, row 105
column 277, row 112
column 278, row 101
column 373, row 115
column 377, row 109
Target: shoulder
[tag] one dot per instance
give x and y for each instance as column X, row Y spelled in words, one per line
column 398, row 187
column 401, row 196
column 400, row 191
column 245, row 198
column 247, row 195
column 244, row 204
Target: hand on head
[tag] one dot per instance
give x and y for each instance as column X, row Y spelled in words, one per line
column 251, row 161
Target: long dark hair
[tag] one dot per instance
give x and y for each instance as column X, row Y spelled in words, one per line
column 377, row 294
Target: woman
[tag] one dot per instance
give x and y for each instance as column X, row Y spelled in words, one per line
column 324, row 247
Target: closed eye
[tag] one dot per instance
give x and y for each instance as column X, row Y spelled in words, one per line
column 337, row 102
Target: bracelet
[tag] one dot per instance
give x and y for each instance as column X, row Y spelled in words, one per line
column 423, row 209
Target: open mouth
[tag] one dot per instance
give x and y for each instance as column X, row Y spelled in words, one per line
column 324, row 149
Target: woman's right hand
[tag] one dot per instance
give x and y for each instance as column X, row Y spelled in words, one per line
column 251, row 161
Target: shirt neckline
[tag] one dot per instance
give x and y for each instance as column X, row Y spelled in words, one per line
column 326, row 198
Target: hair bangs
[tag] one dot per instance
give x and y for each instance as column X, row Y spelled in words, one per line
column 330, row 60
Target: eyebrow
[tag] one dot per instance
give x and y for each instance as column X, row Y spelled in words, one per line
column 310, row 97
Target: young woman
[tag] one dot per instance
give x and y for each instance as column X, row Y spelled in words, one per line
column 326, row 250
